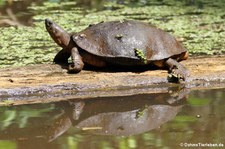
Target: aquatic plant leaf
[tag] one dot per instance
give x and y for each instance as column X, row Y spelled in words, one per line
column 140, row 54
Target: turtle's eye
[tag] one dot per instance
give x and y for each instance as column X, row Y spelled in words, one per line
column 49, row 28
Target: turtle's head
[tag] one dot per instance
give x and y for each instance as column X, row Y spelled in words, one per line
column 59, row 35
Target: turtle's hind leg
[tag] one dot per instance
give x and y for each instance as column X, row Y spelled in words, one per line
column 177, row 70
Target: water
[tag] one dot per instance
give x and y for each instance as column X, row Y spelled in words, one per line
column 165, row 120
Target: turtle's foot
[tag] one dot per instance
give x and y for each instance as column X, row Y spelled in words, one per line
column 178, row 75
column 177, row 72
column 75, row 67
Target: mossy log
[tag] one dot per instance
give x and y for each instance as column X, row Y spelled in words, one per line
column 49, row 82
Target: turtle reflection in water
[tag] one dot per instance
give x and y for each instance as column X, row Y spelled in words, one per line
column 119, row 43
column 120, row 116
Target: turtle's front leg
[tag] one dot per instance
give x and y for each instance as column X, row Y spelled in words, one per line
column 177, row 70
column 77, row 63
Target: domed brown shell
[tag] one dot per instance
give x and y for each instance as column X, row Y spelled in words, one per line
column 119, row 39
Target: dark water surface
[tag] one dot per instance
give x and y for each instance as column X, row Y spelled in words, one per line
column 166, row 120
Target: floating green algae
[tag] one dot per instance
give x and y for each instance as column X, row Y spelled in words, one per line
column 200, row 27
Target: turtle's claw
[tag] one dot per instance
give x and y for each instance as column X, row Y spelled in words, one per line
column 176, row 76
column 73, row 69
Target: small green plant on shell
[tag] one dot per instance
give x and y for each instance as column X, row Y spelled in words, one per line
column 139, row 53
column 140, row 113
column 119, row 36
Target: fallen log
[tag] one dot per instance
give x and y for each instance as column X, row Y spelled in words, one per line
column 49, row 82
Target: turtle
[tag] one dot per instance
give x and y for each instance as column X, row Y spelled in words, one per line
column 125, row 43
